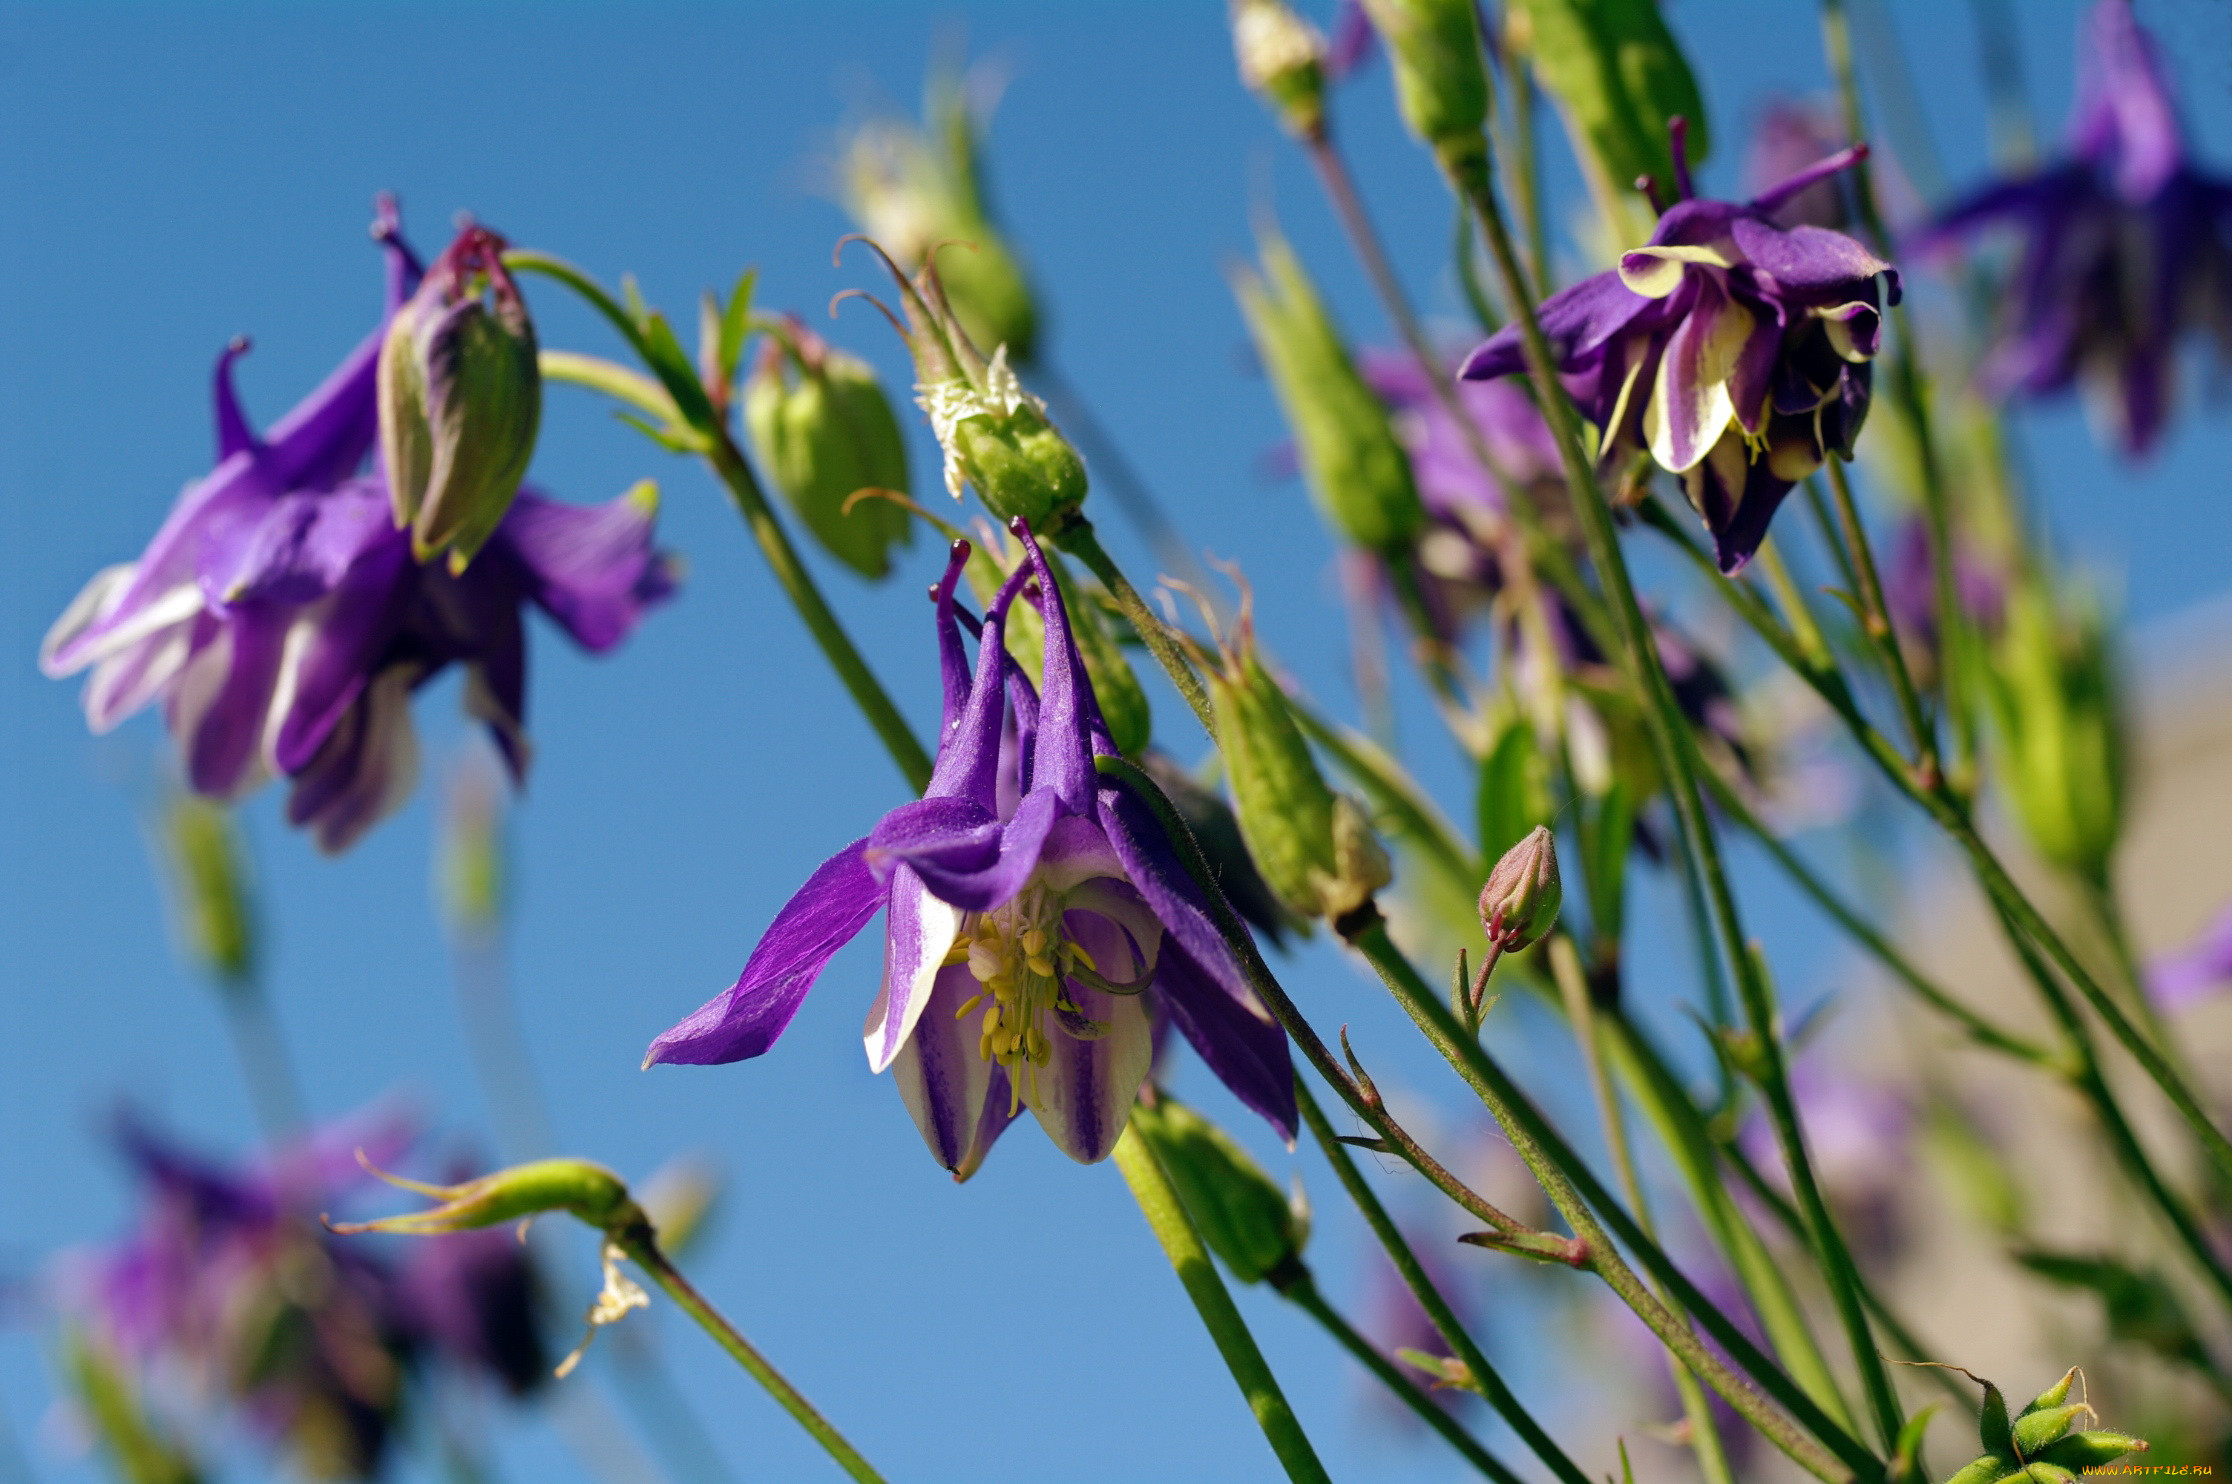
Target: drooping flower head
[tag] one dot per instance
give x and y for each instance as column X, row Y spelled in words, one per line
column 280, row 619
column 2124, row 244
column 1734, row 350
column 1036, row 925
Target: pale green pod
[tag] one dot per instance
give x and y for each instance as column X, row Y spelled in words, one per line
column 1237, row 1207
column 824, row 431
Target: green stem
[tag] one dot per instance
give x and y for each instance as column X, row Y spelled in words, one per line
column 1166, row 1216
column 1515, row 1236
column 1875, row 619
column 1414, row 1276
column 641, row 1246
column 1561, row 1174
column 1078, row 538
column 1580, row 1008
column 1302, row 1292
column 274, row 1092
column 1468, row 166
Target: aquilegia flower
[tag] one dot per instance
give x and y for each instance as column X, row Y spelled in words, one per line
column 2124, row 244
column 1034, row 933
column 281, row 621
column 1736, row 351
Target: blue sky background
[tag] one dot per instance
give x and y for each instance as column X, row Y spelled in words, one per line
column 173, row 175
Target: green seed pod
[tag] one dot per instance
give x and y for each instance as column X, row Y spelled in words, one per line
column 1990, row 1469
column 460, row 400
column 824, row 431
column 1992, row 1424
column 1355, row 466
column 1282, row 61
column 2059, row 727
column 2053, row 1396
column 1522, row 896
column 1315, row 847
column 209, row 888
column 2089, row 1450
column 2035, row 1429
column 589, row 1191
column 1441, row 73
column 1239, row 1210
column 2043, row 1472
column 1019, row 462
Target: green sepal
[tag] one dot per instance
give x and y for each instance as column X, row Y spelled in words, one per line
column 2039, row 1426
column 1906, row 1453
column 2043, row 1472
column 2084, row 1450
column 824, row 431
column 1992, row 1424
column 2053, row 1396
column 736, row 324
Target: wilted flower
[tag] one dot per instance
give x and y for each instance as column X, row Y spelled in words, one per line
column 1735, row 351
column 2197, row 972
column 279, row 617
column 2124, row 245
column 1066, row 919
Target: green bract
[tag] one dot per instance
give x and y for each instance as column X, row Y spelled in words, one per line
column 2040, row 1444
column 1356, row 468
column 824, row 431
column 1239, row 1210
column 1441, row 74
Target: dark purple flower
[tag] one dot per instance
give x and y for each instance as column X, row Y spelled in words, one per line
column 1056, row 907
column 1736, row 351
column 475, row 1298
column 2199, row 972
column 229, row 1280
column 2124, row 244
column 1910, row 588
column 279, row 618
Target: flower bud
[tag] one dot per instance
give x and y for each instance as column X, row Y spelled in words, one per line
column 1441, row 75
column 917, row 189
column 1355, row 467
column 1314, row 847
column 209, row 889
column 460, row 398
column 1123, row 702
column 1520, row 902
column 1282, row 61
column 1239, row 1210
column 588, row 1191
column 824, row 431
column 2059, row 727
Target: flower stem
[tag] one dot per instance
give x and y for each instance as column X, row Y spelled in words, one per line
column 1875, row 618
column 1078, row 538
column 1166, row 1216
column 1421, row 1286
column 274, row 1091
column 640, row 1245
column 1303, row 1293
column 1469, row 169
column 1561, row 1174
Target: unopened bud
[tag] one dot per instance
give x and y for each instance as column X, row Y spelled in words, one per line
column 1355, row 466
column 1441, row 75
column 1315, row 847
column 586, row 1190
column 460, row 399
column 824, row 431
column 1282, row 60
column 1237, row 1207
column 1521, row 900
column 209, row 888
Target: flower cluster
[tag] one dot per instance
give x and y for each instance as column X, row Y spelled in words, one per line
column 281, row 621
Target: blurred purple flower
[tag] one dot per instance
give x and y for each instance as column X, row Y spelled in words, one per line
column 1737, row 352
column 279, row 618
column 1860, row 1136
column 2198, row 972
column 1054, row 903
column 475, row 1298
column 1910, row 587
column 1788, row 137
column 1350, row 45
column 2125, row 244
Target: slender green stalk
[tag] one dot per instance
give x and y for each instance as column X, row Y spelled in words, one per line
column 1133, row 498
column 641, row 1246
column 1875, row 620
column 1166, row 1216
column 1415, row 1278
column 1078, row 538
column 728, row 464
column 1303, row 1293
column 1513, row 1236
column 1562, row 1174
column 1469, row 172
column 274, row 1091
column 1796, row 612
column 1580, row 1008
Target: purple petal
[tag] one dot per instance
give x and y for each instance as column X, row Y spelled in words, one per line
column 969, row 757
column 1238, row 1039
column 1813, row 264
column 2125, row 120
column 366, row 767
column 823, row 916
column 234, row 435
column 959, row 1100
column 333, row 647
column 953, row 663
column 1578, row 322
column 1690, row 407
column 1084, row 1091
column 592, row 568
column 1776, row 196
column 1062, row 759
column 2202, row 970
column 1152, row 866
column 962, row 851
column 218, row 708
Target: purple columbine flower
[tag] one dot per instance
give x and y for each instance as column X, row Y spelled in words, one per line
column 2124, row 244
column 281, row 622
column 1034, row 932
column 1736, row 351
column 2197, row 973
